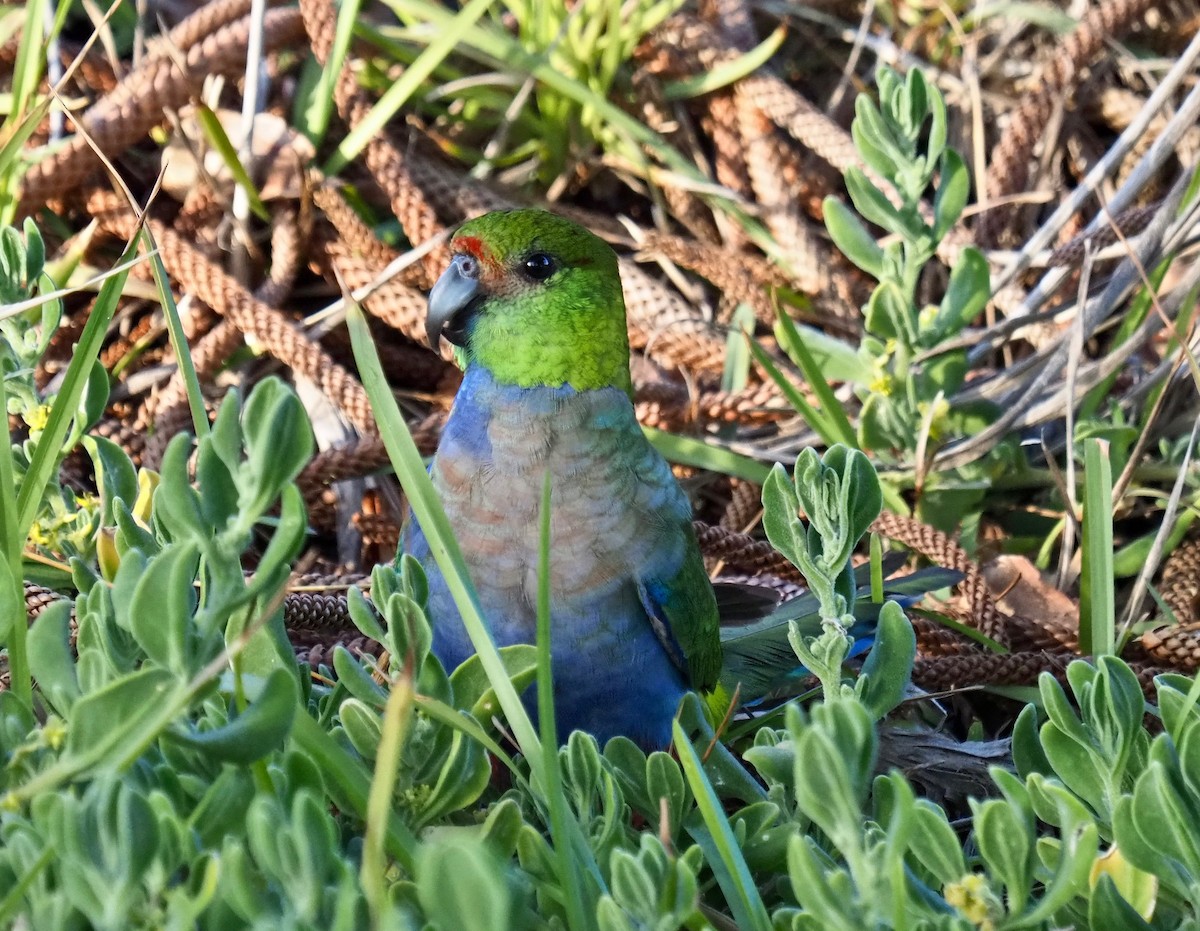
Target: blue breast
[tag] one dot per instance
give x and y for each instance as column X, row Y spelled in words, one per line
column 614, row 507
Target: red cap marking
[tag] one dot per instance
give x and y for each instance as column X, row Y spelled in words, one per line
column 471, row 244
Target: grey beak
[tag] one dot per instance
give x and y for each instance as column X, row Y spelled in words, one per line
column 455, row 297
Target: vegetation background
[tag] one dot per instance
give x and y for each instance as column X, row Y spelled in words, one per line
column 958, row 237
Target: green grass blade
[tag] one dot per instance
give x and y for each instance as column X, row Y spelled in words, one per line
column 960, row 628
column 11, row 545
column 876, row 569
column 66, row 405
column 14, row 136
column 27, row 69
column 1131, row 321
column 398, row 94
column 348, row 785
column 813, row 416
column 60, row 272
column 1129, row 559
column 314, row 122
column 728, row 72
column 452, row 717
column 737, row 354
column 397, row 716
column 179, row 342
column 729, row 866
column 215, row 133
column 545, row 672
column 10, row 542
column 1097, row 612
column 792, row 343
column 690, row 451
column 560, row 815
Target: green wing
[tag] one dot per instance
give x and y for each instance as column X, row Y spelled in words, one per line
column 683, row 610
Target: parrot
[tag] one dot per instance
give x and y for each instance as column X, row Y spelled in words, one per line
column 534, row 305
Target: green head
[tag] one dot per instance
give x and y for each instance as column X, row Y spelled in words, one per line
column 536, row 300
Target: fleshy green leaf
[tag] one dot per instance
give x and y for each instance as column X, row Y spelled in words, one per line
column 852, row 238
column 952, row 192
column 449, row 864
column 50, row 658
column 966, row 295
column 255, row 732
column 888, row 668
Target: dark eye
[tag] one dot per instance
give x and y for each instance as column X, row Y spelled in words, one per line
column 539, row 266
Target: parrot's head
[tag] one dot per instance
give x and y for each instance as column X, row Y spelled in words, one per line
column 536, row 300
